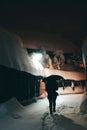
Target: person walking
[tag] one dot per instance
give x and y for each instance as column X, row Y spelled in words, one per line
column 51, row 88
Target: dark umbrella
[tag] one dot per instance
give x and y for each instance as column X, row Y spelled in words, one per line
column 53, row 78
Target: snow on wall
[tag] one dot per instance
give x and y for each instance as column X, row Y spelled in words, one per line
column 13, row 55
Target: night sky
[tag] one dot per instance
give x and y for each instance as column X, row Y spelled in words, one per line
column 68, row 19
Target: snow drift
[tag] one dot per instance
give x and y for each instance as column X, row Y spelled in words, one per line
column 13, row 55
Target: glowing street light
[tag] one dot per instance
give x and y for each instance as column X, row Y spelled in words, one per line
column 37, row 56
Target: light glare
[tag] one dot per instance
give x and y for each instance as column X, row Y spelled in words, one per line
column 37, row 56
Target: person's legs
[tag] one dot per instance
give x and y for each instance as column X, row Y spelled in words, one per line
column 54, row 104
column 50, row 105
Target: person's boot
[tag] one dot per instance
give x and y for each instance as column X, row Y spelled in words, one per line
column 54, row 110
column 51, row 111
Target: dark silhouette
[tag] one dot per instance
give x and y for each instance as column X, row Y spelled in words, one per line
column 51, row 88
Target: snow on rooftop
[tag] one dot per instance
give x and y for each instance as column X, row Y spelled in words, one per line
column 13, row 55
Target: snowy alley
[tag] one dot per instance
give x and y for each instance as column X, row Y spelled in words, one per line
column 35, row 116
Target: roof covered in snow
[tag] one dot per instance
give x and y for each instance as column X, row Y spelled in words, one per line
column 13, row 55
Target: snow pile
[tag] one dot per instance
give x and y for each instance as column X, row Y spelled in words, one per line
column 9, row 107
column 3, row 111
column 83, row 107
column 13, row 55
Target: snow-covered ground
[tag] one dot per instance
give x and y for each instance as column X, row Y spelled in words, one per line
column 14, row 116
